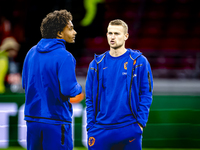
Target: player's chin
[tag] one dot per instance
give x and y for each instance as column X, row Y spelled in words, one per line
column 73, row 41
column 113, row 46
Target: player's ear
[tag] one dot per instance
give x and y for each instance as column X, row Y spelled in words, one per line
column 59, row 34
column 126, row 36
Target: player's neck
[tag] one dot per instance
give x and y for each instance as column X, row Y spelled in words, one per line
column 117, row 52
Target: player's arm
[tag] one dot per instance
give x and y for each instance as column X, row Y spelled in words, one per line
column 68, row 84
column 146, row 92
column 89, row 97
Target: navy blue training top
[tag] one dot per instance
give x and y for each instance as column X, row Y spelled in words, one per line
column 48, row 78
column 114, row 105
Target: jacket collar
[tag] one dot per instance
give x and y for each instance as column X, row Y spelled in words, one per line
column 134, row 54
column 99, row 58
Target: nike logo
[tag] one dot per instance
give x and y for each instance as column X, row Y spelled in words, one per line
column 105, row 67
column 131, row 140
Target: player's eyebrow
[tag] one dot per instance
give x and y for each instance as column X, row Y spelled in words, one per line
column 110, row 32
column 71, row 26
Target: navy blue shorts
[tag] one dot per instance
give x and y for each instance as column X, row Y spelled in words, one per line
column 125, row 138
column 42, row 136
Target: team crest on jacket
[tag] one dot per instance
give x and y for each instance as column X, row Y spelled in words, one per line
column 125, row 65
column 91, row 141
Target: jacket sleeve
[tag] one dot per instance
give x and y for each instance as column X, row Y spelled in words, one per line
column 145, row 93
column 89, row 97
column 67, row 78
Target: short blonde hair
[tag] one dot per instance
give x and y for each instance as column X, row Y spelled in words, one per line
column 119, row 22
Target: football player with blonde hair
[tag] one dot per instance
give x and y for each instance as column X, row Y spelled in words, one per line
column 119, row 89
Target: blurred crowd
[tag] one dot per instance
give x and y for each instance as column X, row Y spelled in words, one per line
column 9, row 71
column 167, row 32
column 19, row 31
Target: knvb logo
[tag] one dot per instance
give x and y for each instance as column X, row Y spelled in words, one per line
column 125, row 65
column 91, row 141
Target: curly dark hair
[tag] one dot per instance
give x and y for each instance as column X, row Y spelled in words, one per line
column 54, row 22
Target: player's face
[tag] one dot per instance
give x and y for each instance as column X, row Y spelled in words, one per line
column 68, row 33
column 116, row 36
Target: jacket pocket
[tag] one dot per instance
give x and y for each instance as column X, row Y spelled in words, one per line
column 139, row 128
column 63, row 134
